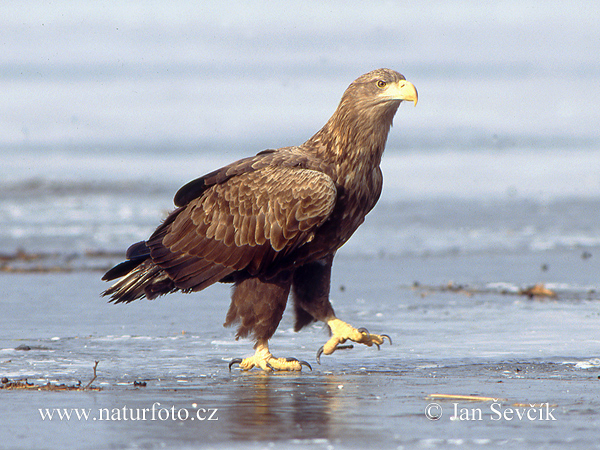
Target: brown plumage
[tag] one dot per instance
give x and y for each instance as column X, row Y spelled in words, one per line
column 272, row 223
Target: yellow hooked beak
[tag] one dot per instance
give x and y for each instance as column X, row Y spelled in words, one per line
column 403, row 90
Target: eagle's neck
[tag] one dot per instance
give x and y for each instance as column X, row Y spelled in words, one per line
column 354, row 138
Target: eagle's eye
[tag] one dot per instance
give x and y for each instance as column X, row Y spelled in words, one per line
column 381, row 84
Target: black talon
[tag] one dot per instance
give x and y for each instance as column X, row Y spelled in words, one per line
column 383, row 336
column 270, row 366
column 319, row 353
column 363, row 330
column 339, row 347
column 378, row 347
column 345, row 347
column 234, row 361
column 302, row 363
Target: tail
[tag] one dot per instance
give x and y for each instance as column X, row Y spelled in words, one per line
column 140, row 277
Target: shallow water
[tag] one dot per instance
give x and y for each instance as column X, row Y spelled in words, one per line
column 489, row 342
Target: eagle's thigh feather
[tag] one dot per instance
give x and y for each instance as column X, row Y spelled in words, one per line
column 257, row 306
column 310, row 287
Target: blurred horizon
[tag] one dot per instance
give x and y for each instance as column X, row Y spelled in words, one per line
column 108, row 108
column 247, row 76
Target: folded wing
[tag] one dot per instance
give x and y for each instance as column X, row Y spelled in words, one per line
column 244, row 222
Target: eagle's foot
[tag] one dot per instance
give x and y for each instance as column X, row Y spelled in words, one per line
column 342, row 332
column 264, row 360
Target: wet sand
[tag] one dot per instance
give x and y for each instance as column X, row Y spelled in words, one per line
column 476, row 336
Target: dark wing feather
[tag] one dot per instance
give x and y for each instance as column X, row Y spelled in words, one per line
column 197, row 187
column 139, row 250
column 136, row 255
column 244, row 222
column 121, row 269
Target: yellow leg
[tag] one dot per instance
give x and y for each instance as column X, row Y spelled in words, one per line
column 342, row 332
column 264, row 360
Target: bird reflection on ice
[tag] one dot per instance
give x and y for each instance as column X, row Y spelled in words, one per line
column 267, row 407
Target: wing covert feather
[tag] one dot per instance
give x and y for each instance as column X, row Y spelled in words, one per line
column 245, row 222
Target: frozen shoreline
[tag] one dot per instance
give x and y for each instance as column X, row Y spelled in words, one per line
column 445, row 342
